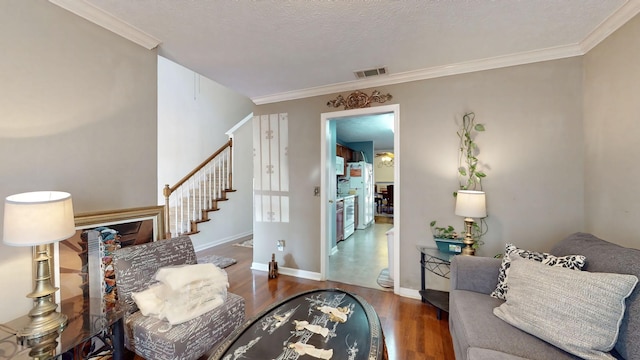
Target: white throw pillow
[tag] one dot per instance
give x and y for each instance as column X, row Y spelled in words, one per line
column 574, row 262
column 577, row 311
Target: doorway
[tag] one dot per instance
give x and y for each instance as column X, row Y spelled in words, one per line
column 329, row 184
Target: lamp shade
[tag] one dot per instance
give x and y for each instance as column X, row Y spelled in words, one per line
column 39, row 217
column 471, row 203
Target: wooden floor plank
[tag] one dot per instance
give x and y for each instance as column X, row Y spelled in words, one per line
column 411, row 328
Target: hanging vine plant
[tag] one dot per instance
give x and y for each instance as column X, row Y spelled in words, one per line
column 469, row 176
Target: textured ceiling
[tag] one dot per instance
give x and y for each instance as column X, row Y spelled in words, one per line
column 376, row 128
column 274, row 50
column 277, row 49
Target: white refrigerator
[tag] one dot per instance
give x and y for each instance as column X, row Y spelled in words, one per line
column 360, row 176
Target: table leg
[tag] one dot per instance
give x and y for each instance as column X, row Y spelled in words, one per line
column 117, row 333
column 422, row 275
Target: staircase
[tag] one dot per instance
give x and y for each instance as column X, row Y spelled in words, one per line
column 190, row 200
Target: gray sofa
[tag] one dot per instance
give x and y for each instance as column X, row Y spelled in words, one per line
column 478, row 334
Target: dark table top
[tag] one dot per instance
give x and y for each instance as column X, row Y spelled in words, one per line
column 324, row 323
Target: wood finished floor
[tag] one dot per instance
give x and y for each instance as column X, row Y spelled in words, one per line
column 411, row 328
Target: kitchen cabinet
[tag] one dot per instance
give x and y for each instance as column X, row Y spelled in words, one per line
column 344, row 152
column 339, row 220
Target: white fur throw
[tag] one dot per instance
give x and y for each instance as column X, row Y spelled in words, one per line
column 183, row 292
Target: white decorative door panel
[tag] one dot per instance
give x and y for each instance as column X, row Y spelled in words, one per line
column 271, row 167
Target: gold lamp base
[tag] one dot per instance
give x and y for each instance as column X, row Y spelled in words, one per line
column 42, row 347
column 468, row 239
column 41, row 327
column 44, row 319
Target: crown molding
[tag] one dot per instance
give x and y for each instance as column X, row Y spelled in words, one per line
column 108, row 21
column 612, row 23
column 429, row 73
column 620, row 17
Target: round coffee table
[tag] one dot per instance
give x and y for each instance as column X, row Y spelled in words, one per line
column 322, row 324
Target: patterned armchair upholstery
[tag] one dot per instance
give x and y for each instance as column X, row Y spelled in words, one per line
column 135, row 267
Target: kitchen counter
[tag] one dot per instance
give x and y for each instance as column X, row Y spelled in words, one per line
column 343, row 196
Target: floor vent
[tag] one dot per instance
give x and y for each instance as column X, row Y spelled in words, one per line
column 361, row 74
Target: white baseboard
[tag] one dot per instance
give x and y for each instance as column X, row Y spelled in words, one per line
column 237, row 237
column 288, row 271
column 409, row 293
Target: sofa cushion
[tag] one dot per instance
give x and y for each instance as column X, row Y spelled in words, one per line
column 577, row 311
column 575, row 262
column 473, row 325
column 603, row 256
column 487, row 354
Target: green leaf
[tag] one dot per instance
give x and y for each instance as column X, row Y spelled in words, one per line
column 432, row 223
column 480, row 174
column 479, row 127
column 462, row 171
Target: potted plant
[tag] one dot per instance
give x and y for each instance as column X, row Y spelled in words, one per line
column 448, row 232
column 469, row 176
column 447, row 238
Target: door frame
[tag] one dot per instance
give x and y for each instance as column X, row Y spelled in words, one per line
column 328, row 181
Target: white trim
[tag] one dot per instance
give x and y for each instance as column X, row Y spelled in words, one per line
column 620, row 17
column 328, row 197
column 429, row 73
column 238, row 125
column 102, row 18
column 288, row 271
column 246, row 235
column 627, row 11
column 409, row 293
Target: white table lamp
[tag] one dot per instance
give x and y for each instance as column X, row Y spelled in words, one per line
column 470, row 204
column 37, row 219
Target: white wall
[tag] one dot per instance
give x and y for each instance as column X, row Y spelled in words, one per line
column 193, row 115
column 382, row 173
column 532, row 148
column 612, row 129
column 77, row 114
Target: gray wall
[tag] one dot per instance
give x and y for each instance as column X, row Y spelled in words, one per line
column 532, row 151
column 78, row 114
column 612, row 128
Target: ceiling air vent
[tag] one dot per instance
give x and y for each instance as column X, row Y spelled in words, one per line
column 361, row 74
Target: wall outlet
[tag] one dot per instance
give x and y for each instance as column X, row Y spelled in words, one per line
column 280, row 244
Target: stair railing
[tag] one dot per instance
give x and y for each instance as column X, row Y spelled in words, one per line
column 189, row 201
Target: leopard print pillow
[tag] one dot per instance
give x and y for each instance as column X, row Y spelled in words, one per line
column 574, row 262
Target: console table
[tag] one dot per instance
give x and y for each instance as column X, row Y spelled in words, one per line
column 87, row 319
column 436, row 262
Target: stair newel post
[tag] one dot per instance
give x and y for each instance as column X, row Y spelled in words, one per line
column 167, row 193
column 230, row 164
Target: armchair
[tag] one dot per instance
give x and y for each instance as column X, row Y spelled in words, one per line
column 151, row 338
